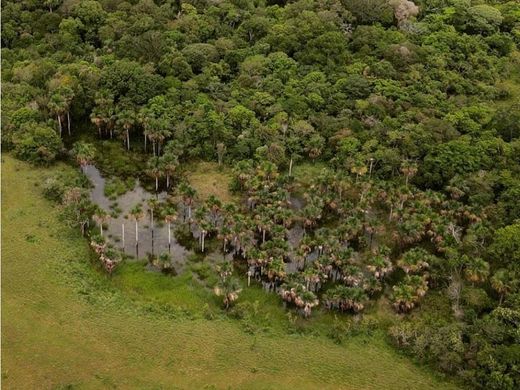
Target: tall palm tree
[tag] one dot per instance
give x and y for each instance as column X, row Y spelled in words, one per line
column 215, row 206
column 136, row 214
column 101, row 217
column 169, row 163
column 152, row 204
column 170, row 215
column 154, row 170
column 188, row 197
column 126, row 118
column 58, row 105
column 97, row 119
column 201, row 217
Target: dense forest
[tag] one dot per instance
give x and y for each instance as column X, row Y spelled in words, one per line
column 405, row 117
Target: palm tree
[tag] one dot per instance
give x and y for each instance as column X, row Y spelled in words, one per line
column 152, row 205
column 127, row 119
column 477, row 270
column 408, row 292
column 313, row 277
column 414, row 260
column 215, row 206
column 97, row 119
column 264, row 220
column 58, row 105
column 403, row 298
column 352, row 275
column 310, row 214
column 84, row 153
column 379, row 264
column 169, row 163
column 136, row 214
column 229, row 288
column 154, row 170
column 104, row 112
column 201, row 215
column 169, row 217
column 188, row 196
column 345, row 298
column 68, row 94
column 101, row 217
column 296, row 293
column 503, row 282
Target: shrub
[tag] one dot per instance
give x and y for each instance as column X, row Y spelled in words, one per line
column 37, row 143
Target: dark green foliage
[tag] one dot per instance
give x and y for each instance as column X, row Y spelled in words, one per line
column 36, row 143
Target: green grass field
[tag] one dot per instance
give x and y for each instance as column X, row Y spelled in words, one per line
column 65, row 325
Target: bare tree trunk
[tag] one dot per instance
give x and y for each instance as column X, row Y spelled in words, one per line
column 59, row 123
column 123, row 235
column 127, row 139
column 101, row 228
column 290, row 166
column 167, row 180
column 68, row 121
column 203, row 237
column 156, row 183
column 136, row 233
column 169, row 234
column 145, row 141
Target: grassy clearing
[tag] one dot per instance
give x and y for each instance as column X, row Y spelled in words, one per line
column 306, row 172
column 66, row 325
column 208, row 179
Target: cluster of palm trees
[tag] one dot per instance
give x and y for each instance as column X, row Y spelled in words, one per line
column 120, row 118
column 345, row 263
column 328, row 242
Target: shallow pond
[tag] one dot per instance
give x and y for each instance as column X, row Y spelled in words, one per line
column 153, row 241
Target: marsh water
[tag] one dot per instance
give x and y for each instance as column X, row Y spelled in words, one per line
column 124, row 225
column 121, row 230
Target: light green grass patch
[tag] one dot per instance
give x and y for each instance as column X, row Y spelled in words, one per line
column 208, row 179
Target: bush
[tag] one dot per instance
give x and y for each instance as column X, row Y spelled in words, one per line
column 37, row 143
